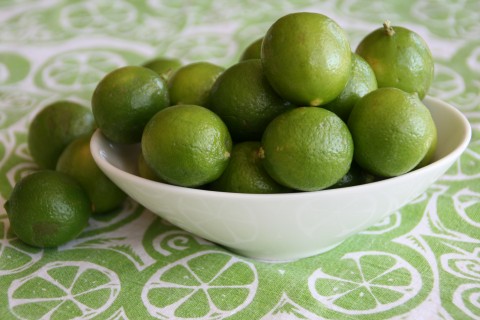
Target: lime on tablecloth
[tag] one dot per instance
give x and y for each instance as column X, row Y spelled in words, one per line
column 422, row 262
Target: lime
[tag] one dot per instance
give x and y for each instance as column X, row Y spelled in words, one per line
column 307, row 148
column 362, row 81
column 48, row 208
column 163, row 66
column 354, row 177
column 77, row 161
column 306, row 58
column 145, row 171
column 392, row 131
column 253, row 51
column 245, row 173
column 428, row 158
column 191, row 83
column 245, row 101
column 54, row 127
column 399, row 57
column 125, row 100
column 187, row 145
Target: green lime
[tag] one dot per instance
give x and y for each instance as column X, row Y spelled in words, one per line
column 145, row 171
column 191, row 83
column 163, row 66
column 392, row 131
column 253, row 51
column 428, row 158
column 307, row 58
column 48, row 208
column 245, row 101
column 362, row 81
column 354, row 177
column 125, row 100
column 245, row 172
column 54, row 127
column 400, row 58
column 187, row 145
column 307, row 148
column 77, row 161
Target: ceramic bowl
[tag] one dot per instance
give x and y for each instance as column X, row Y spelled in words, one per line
column 283, row 226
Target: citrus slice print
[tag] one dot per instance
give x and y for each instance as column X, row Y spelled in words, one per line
column 80, row 289
column 15, row 256
column 92, row 16
column 80, row 69
column 205, row 285
column 366, row 283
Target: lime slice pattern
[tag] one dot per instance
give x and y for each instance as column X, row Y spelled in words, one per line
column 82, row 290
column 8, row 75
column 369, row 282
column 15, row 256
column 99, row 15
column 78, row 70
column 205, row 285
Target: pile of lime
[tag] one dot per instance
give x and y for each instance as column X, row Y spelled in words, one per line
column 299, row 111
column 52, row 205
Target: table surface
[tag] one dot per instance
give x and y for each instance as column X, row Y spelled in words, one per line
column 423, row 261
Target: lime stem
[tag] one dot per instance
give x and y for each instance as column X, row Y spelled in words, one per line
column 388, row 28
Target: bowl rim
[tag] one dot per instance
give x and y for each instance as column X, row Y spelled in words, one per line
column 456, row 152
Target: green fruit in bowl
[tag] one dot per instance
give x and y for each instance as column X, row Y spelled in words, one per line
column 306, row 58
column 400, row 58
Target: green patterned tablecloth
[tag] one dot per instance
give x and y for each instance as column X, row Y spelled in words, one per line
column 422, row 262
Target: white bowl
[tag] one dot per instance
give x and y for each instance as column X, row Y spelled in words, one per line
column 283, row 226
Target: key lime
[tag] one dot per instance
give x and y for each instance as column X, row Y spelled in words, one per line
column 77, row 161
column 362, row 81
column 245, row 101
column 145, row 171
column 187, row 145
column 307, row 148
column 245, row 172
column 399, row 57
column 125, row 100
column 306, row 58
column 54, row 127
column 354, row 177
column 48, row 208
column 163, row 66
column 392, row 131
column 253, row 51
column 191, row 83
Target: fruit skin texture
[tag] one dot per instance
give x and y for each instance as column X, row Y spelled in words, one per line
column 362, row 81
column 245, row 101
column 48, row 208
column 191, row 84
column 165, row 67
column 54, row 127
column 245, row 172
column 402, row 60
column 125, row 100
column 392, row 131
column 307, row 149
column 77, row 161
column 187, row 145
column 253, row 51
column 306, row 58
